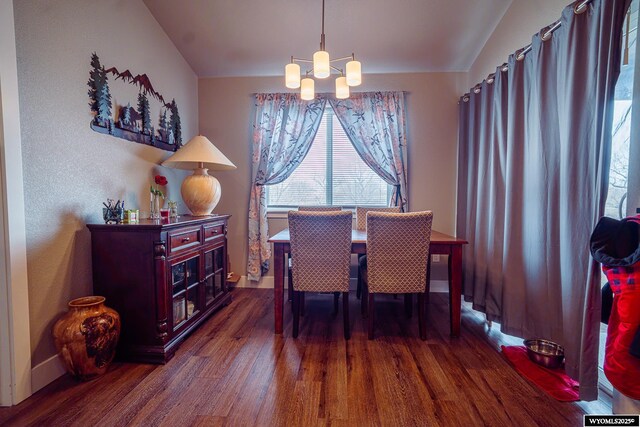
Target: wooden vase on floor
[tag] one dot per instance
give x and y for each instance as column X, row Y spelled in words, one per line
column 86, row 337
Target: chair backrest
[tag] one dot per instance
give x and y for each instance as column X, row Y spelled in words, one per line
column 398, row 251
column 361, row 215
column 320, row 250
column 319, row 208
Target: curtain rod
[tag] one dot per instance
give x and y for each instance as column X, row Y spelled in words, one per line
column 330, row 94
column 545, row 34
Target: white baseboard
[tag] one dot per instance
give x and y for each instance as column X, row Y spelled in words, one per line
column 266, row 282
column 44, row 373
column 440, row 286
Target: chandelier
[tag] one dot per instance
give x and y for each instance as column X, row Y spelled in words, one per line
column 321, row 69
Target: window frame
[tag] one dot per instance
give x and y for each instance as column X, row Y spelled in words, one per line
column 275, row 209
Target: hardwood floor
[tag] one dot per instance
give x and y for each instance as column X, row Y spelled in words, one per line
column 234, row 371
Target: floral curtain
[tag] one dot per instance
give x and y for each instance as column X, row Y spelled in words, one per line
column 375, row 124
column 283, row 131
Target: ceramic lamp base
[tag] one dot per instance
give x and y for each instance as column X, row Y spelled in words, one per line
column 200, row 192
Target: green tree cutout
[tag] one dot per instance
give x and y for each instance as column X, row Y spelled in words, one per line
column 145, row 115
column 163, row 125
column 174, row 123
column 99, row 94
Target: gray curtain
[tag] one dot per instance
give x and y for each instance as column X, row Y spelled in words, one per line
column 283, row 130
column 375, row 123
column 535, row 143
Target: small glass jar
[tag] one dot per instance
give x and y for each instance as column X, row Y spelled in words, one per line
column 154, row 206
column 173, row 209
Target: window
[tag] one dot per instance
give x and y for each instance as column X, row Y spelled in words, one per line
column 619, row 185
column 331, row 174
column 616, row 204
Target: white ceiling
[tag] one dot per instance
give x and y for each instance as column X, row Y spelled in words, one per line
column 258, row 37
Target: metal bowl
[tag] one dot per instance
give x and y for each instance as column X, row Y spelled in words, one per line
column 545, row 353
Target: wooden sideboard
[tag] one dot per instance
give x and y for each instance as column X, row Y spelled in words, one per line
column 163, row 277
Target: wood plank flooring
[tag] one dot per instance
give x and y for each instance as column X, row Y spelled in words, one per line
column 234, row 371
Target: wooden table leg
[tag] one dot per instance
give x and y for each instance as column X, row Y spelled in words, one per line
column 455, row 288
column 278, row 285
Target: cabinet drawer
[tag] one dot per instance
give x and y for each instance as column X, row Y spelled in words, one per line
column 184, row 239
column 211, row 232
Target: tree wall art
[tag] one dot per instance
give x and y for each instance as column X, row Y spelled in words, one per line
column 132, row 122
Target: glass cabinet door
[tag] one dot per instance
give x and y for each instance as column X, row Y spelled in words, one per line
column 219, row 270
column 193, row 280
column 214, row 272
column 185, row 289
column 178, row 275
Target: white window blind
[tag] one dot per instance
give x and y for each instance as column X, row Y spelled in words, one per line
column 332, row 173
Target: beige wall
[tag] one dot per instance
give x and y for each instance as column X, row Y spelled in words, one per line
column 521, row 21
column 69, row 170
column 226, row 112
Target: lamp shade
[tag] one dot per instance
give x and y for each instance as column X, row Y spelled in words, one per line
column 199, row 150
column 292, row 75
column 200, row 192
column 354, row 73
column 321, row 64
column 342, row 89
column 307, row 89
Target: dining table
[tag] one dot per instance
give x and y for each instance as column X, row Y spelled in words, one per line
column 441, row 244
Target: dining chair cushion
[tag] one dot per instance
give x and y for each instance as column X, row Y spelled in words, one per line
column 361, row 215
column 397, row 251
column 321, row 250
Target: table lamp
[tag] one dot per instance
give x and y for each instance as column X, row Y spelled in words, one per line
column 200, row 192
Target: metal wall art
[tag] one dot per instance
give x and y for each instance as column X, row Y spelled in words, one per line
column 132, row 123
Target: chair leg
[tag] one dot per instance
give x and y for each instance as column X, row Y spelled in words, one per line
column 345, row 315
column 336, row 303
column 422, row 318
column 296, row 313
column 301, row 303
column 359, row 286
column 371, row 316
column 428, row 287
column 408, row 305
column 290, row 291
column 364, row 300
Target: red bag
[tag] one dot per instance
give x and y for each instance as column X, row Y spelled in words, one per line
column 616, row 245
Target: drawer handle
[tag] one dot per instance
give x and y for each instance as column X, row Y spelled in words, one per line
column 215, row 231
column 185, row 239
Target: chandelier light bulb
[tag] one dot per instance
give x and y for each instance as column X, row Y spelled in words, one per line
column 307, row 90
column 354, row 73
column 292, row 75
column 321, row 64
column 342, row 89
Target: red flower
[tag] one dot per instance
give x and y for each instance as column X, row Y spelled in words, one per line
column 161, row 180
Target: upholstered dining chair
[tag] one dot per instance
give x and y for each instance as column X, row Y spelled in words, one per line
column 308, row 209
column 397, row 261
column 321, row 254
column 361, row 224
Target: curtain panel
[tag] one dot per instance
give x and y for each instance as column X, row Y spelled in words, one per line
column 375, row 123
column 283, row 130
column 534, row 154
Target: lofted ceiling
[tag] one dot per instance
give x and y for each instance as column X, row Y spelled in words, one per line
column 222, row 38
